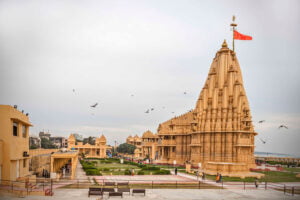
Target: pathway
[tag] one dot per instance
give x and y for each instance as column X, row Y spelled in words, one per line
column 172, row 194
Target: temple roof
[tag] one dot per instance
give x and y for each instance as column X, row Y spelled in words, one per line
column 102, row 138
column 71, row 137
column 222, row 104
column 148, row 134
column 223, row 100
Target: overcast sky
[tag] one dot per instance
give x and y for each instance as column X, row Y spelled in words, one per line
column 154, row 50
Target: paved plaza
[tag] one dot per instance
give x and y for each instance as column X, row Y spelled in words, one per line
column 157, row 194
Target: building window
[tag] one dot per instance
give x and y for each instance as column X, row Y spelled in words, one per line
column 24, row 131
column 24, row 163
column 15, row 129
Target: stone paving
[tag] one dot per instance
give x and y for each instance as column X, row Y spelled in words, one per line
column 172, row 194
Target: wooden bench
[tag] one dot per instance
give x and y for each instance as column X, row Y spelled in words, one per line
column 95, row 191
column 125, row 184
column 138, row 191
column 109, row 183
column 114, row 194
column 108, row 190
column 124, row 190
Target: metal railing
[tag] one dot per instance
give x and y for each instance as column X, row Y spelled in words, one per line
column 47, row 186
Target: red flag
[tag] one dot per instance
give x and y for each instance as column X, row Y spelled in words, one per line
column 239, row 36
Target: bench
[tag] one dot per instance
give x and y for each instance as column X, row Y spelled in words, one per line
column 114, row 194
column 109, row 183
column 124, row 190
column 95, row 191
column 108, row 190
column 122, row 184
column 138, row 191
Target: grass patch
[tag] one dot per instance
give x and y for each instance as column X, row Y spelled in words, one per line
column 292, row 169
column 269, row 177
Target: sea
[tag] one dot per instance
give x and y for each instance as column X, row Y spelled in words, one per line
column 270, row 154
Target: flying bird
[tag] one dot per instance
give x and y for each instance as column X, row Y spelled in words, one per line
column 152, row 109
column 132, row 95
column 74, row 90
column 263, row 141
column 184, row 93
column 173, row 112
column 283, row 126
column 147, row 111
column 94, row 106
column 261, row 121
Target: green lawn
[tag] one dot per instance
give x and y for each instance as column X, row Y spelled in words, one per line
column 116, row 166
column 113, row 167
column 292, row 169
column 269, row 177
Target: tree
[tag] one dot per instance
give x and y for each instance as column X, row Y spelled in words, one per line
column 90, row 140
column 126, row 148
column 33, row 146
column 47, row 144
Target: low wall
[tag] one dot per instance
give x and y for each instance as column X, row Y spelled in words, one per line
column 35, row 152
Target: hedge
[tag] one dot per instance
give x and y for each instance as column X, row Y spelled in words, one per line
column 141, row 173
column 162, row 172
column 93, row 172
column 151, row 168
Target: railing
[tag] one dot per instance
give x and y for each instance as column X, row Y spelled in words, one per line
column 47, row 186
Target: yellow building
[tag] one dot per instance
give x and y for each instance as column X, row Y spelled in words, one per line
column 14, row 143
column 64, row 159
column 149, row 145
column 91, row 151
column 218, row 133
column 137, row 142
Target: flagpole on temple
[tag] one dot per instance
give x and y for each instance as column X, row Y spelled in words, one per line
column 233, row 29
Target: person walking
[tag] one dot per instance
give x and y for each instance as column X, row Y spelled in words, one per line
column 197, row 174
column 175, row 170
column 256, row 183
column 217, row 178
column 203, row 176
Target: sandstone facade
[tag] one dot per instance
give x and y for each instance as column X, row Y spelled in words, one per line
column 218, row 132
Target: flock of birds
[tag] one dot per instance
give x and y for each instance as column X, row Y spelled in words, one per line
column 279, row 127
column 132, row 95
column 152, row 109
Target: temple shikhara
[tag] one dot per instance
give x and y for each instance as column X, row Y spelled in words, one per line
column 218, row 134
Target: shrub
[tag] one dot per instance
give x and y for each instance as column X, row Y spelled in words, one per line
column 161, row 172
column 105, row 169
column 151, row 168
column 141, row 173
column 93, row 172
column 127, row 172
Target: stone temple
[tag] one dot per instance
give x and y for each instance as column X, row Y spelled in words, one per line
column 218, row 132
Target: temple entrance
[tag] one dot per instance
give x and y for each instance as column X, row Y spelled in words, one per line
column 63, row 165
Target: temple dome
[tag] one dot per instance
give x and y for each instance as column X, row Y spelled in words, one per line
column 72, row 137
column 102, row 138
column 148, row 134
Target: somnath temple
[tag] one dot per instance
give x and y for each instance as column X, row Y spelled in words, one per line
column 218, row 132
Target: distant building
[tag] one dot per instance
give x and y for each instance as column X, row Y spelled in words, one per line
column 59, row 142
column 149, row 145
column 43, row 134
column 136, row 141
column 14, row 143
column 91, row 151
column 34, row 142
